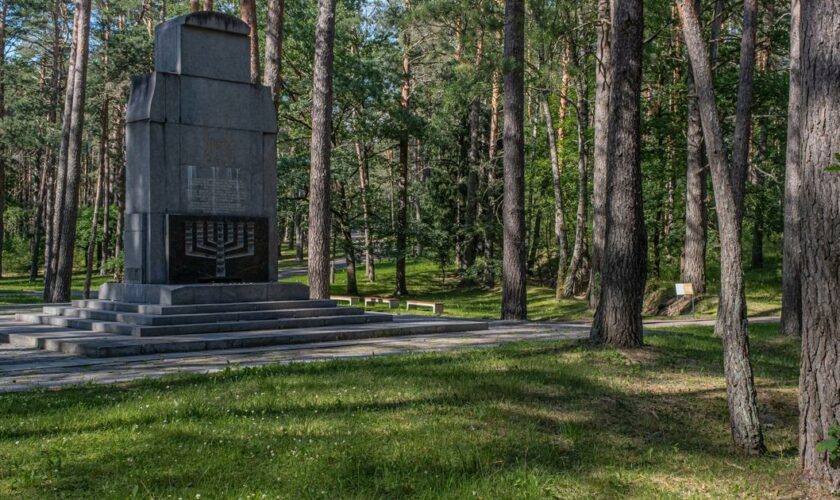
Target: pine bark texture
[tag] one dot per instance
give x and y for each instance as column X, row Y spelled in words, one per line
column 791, row 323
column 96, row 202
column 272, row 77
column 514, row 304
column 560, row 236
column 819, row 202
column 731, row 322
column 54, row 234
column 578, row 271
column 743, row 114
column 70, row 203
column 618, row 319
column 320, row 150
column 693, row 263
column 599, row 167
column 248, row 13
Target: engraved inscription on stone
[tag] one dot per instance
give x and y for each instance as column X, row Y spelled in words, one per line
column 215, row 189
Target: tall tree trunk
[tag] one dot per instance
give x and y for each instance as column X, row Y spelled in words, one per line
column 599, row 168
column 791, row 323
column 693, row 263
column 106, row 210
column 119, row 180
column 347, row 241
column 194, row 6
column 361, row 157
column 208, row 5
column 731, row 321
column 3, row 12
column 514, row 301
column 618, row 319
column 298, row 235
column 473, row 165
column 70, row 206
column 100, row 180
column 274, row 48
column 400, row 288
column 819, row 203
column 578, row 271
column 535, row 240
column 490, row 208
column 743, row 114
column 38, row 217
column 320, row 150
column 59, row 188
column 248, row 13
column 560, row 238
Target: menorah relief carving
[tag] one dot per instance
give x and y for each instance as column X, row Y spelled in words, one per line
column 219, row 240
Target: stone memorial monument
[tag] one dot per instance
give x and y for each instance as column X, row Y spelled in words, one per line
column 201, row 173
column 200, row 219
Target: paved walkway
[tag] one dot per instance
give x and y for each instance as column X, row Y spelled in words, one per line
column 24, row 369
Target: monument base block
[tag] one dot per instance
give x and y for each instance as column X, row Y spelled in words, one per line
column 209, row 293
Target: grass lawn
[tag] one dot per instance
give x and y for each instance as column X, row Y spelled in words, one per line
column 469, row 301
column 531, row 419
column 19, row 290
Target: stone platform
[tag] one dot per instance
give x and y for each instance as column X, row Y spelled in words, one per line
column 136, row 319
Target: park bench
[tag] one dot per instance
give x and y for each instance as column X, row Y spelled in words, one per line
column 350, row 299
column 437, row 307
column 392, row 302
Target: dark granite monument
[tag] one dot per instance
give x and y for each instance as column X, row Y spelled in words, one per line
column 201, row 174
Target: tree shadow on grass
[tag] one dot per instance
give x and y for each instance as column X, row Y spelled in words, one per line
column 409, row 425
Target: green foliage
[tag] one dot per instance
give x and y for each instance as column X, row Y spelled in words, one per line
column 832, row 444
column 836, row 167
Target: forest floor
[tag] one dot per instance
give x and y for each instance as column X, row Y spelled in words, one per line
column 526, row 420
column 462, row 299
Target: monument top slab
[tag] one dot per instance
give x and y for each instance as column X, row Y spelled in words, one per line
column 205, row 44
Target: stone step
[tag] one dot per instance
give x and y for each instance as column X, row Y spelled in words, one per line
column 341, row 316
column 102, row 346
column 77, row 323
column 66, row 311
column 243, row 326
column 222, row 317
column 109, row 305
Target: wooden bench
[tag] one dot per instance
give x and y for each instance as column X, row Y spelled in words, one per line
column 437, row 307
column 351, row 300
column 392, row 302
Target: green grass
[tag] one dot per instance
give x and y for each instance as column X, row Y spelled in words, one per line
column 470, row 301
column 19, row 290
column 527, row 420
column 462, row 300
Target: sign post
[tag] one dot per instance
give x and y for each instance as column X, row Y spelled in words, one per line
column 686, row 289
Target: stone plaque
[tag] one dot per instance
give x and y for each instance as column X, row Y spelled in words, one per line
column 216, row 249
column 215, row 189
